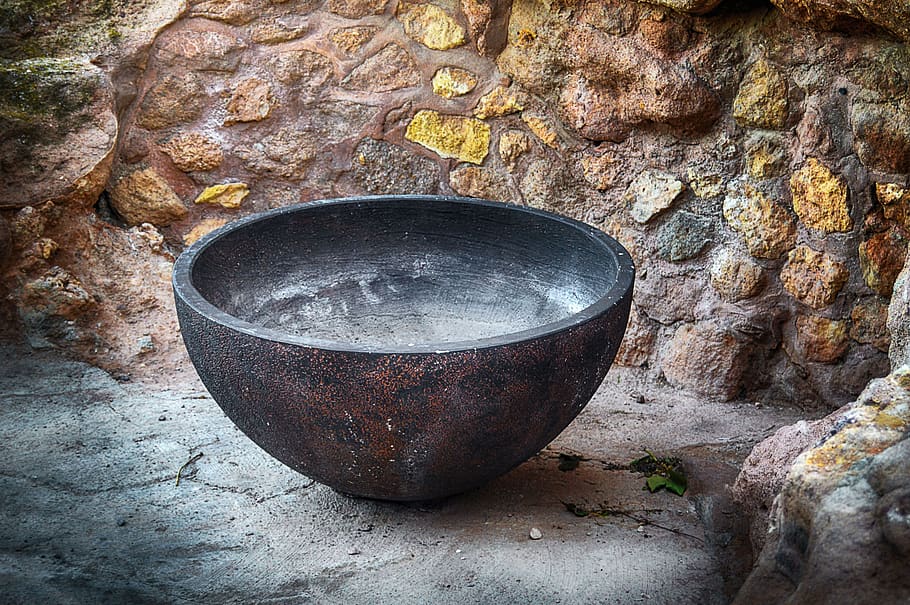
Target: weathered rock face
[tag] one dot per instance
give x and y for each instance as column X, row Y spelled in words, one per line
column 839, row 528
column 768, row 229
column 761, row 101
column 638, row 343
column 765, row 470
column 736, row 277
column 193, row 151
column 820, row 198
column 892, row 15
column 881, row 258
column 57, row 131
column 749, row 174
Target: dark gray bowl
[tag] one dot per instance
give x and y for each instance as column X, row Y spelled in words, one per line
column 403, row 347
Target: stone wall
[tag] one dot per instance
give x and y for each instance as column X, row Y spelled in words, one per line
column 830, row 499
column 753, row 158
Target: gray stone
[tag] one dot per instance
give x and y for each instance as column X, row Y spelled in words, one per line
column 49, row 305
column 899, row 319
column 684, row 236
column 379, row 167
column 894, row 517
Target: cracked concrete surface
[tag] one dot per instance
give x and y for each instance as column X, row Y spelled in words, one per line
column 91, row 512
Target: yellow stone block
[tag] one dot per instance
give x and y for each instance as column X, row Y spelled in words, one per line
column 762, row 164
column 229, row 195
column 820, row 198
column 458, row 137
column 543, row 130
column 431, row 26
column 762, row 98
column 498, row 102
column 451, row 82
column 889, row 193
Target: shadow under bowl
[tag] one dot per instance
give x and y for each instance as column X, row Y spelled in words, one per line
column 403, row 347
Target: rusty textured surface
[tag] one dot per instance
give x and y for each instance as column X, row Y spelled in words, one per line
column 403, row 421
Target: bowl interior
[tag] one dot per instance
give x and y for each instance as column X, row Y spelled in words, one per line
column 404, row 272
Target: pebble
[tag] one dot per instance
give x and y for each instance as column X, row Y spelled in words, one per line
column 353, row 551
column 535, row 534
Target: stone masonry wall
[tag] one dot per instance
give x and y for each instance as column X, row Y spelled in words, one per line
column 754, row 159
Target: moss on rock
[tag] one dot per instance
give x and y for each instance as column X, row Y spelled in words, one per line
column 35, row 90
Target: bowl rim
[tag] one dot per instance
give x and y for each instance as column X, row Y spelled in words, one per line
column 186, row 291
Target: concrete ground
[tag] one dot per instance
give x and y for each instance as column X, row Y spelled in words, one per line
column 91, row 512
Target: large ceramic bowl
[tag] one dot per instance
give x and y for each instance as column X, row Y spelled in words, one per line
column 403, row 347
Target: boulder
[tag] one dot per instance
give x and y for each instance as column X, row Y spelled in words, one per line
column 58, row 113
column 838, row 530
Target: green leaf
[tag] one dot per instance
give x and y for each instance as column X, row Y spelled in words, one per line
column 676, row 488
column 677, row 478
column 655, row 482
column 666, row 472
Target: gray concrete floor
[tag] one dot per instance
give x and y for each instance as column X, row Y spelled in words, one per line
column 90, row 511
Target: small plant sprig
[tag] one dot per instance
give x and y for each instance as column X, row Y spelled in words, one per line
column 661, row 473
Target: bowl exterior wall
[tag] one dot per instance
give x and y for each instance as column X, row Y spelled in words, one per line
column 403, row 426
